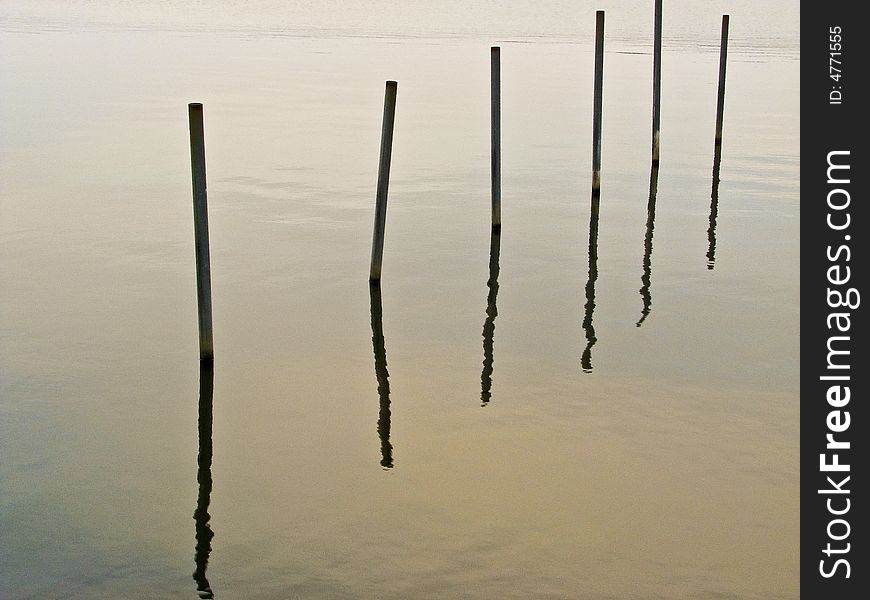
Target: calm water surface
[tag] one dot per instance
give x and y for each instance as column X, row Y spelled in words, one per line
column 573, row 409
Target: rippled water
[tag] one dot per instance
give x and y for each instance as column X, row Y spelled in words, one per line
column 576, row 408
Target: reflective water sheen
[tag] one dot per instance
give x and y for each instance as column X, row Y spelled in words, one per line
column 618, row 419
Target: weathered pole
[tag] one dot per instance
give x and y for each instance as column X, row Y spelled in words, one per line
column 657, row 82
column 383, row 180
column 723, row 58
column 200, row 226
column 495, row 120
column 596, row 112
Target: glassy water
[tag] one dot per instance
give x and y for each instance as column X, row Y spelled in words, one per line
column 584, row 406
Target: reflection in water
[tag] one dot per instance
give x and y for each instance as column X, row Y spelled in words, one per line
column 646, row 278
column 204, row 533
column 491, row 314
column 382, row 375
column 714, row 208
column 586, row 359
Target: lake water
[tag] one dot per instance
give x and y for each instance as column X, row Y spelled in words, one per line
column 492, row 422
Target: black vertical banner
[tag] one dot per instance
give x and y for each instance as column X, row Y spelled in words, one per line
column 834, row 229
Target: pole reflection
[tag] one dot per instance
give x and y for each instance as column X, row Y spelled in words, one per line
column 586, row 358
column 204, row 534
column 714, row 208
column 382, row 375
column 646, row 278
column 491, row 314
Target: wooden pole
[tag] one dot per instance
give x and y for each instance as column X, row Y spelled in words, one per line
column 657, row 82
column 383, row 180
column 723, row 57
column 596, row 113
column 200, row 226
column 495, row 120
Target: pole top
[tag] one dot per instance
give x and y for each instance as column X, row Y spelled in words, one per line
column 391, row 83
column 195, row 106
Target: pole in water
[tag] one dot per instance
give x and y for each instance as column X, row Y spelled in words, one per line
column 657, row 81
column 383, row 180
column 200, row 226
column 723, row 57
column 596, row 113
column 495, row 121
column 586, row 358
